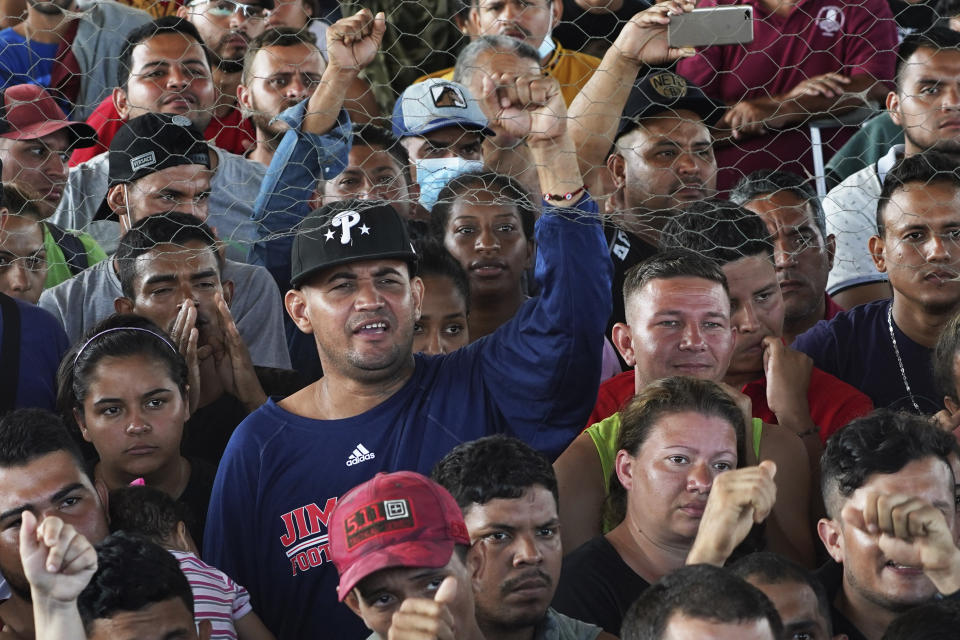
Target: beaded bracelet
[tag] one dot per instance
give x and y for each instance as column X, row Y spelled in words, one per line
column 566, row 196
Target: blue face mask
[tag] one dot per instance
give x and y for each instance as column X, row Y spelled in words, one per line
column 546, row 47
column 433, row 174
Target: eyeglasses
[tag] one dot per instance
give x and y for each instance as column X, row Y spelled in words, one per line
column 226, row 8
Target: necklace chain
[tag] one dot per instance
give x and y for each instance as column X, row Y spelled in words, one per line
column 896, row 351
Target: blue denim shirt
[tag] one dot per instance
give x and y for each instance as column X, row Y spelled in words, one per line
column 284, row 199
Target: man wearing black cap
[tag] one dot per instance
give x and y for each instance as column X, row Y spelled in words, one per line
column 161, row 164
column 380, row 407
column 662, row 158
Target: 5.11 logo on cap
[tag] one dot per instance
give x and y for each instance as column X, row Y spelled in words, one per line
column 377, row 519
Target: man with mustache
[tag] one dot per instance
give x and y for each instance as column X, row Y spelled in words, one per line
column 166, row 71
column 228, row 26
column 926, row 105
column 508, row 494
column 803, row 251
column 662, row 158
column 73, row 48
column 283, row 66
column 160, row 165
column 884, row 348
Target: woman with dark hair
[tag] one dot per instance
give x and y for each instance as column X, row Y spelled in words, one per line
column 675, row 494
column 486, row 221
column 125, row 386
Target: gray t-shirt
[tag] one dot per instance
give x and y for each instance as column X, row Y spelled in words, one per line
column 233, row 190
column 87, row 298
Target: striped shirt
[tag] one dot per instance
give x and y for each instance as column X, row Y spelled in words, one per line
column 216, row 597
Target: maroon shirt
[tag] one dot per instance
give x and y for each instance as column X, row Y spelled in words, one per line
column 817, row 37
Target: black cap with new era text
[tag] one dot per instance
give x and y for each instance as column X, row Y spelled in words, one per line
column 664, row 91
column 349, row 231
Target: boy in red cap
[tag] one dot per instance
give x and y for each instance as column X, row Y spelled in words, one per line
column 400, row 546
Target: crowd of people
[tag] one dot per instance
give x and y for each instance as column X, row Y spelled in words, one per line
column 478, row 319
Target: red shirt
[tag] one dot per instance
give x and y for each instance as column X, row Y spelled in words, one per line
column 833, row 403
column 818, row 36
column 832, row 308
column 233, row 133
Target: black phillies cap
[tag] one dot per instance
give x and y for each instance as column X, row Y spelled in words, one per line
column 661, row 91
column 150, row 143
column 349, row 231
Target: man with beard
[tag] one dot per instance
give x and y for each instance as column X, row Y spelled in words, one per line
column 884, row 348
column 41, row 471
column 508, row 495
column 926, row 105
column 891, row 511
column 165, row 70
column 224, row 126
column 228, row 26
column 283, row 66
column 75, row 55
column 171, row 175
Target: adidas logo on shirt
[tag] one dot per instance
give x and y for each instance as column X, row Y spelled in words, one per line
column 360, row 454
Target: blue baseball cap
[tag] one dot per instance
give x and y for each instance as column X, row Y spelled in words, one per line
column 435, row 104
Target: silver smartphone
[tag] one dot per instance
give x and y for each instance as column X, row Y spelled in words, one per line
column 710, row 26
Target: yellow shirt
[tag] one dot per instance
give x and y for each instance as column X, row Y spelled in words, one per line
column 572, row 69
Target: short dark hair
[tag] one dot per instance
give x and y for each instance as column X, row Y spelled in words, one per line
column 160, row 26
column 699, row 591
column 276, row 37
column 493, row 467
column 770, row 181
column 931, row 621
column 131, row 575
column 146, row 512
column 436, row 261
column 772, row 568
column 719, row 230
column 935, row 38
column 507, row 190
column 944, row 354
column 664, row 397
column 882, row 442
column 672, row 263
column 152, row 231
column 929, row 167
column 27, row 434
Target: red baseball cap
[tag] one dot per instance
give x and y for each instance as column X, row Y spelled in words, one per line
column 400, row 519
column 28, row 112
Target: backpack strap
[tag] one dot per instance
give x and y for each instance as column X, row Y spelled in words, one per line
column 74, row 253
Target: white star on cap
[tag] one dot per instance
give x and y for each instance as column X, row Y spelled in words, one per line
column 329, row 235
column 365, row 230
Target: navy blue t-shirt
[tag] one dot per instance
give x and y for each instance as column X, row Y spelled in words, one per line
column 42, row 345
column 535, row 378
column 855, row 346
